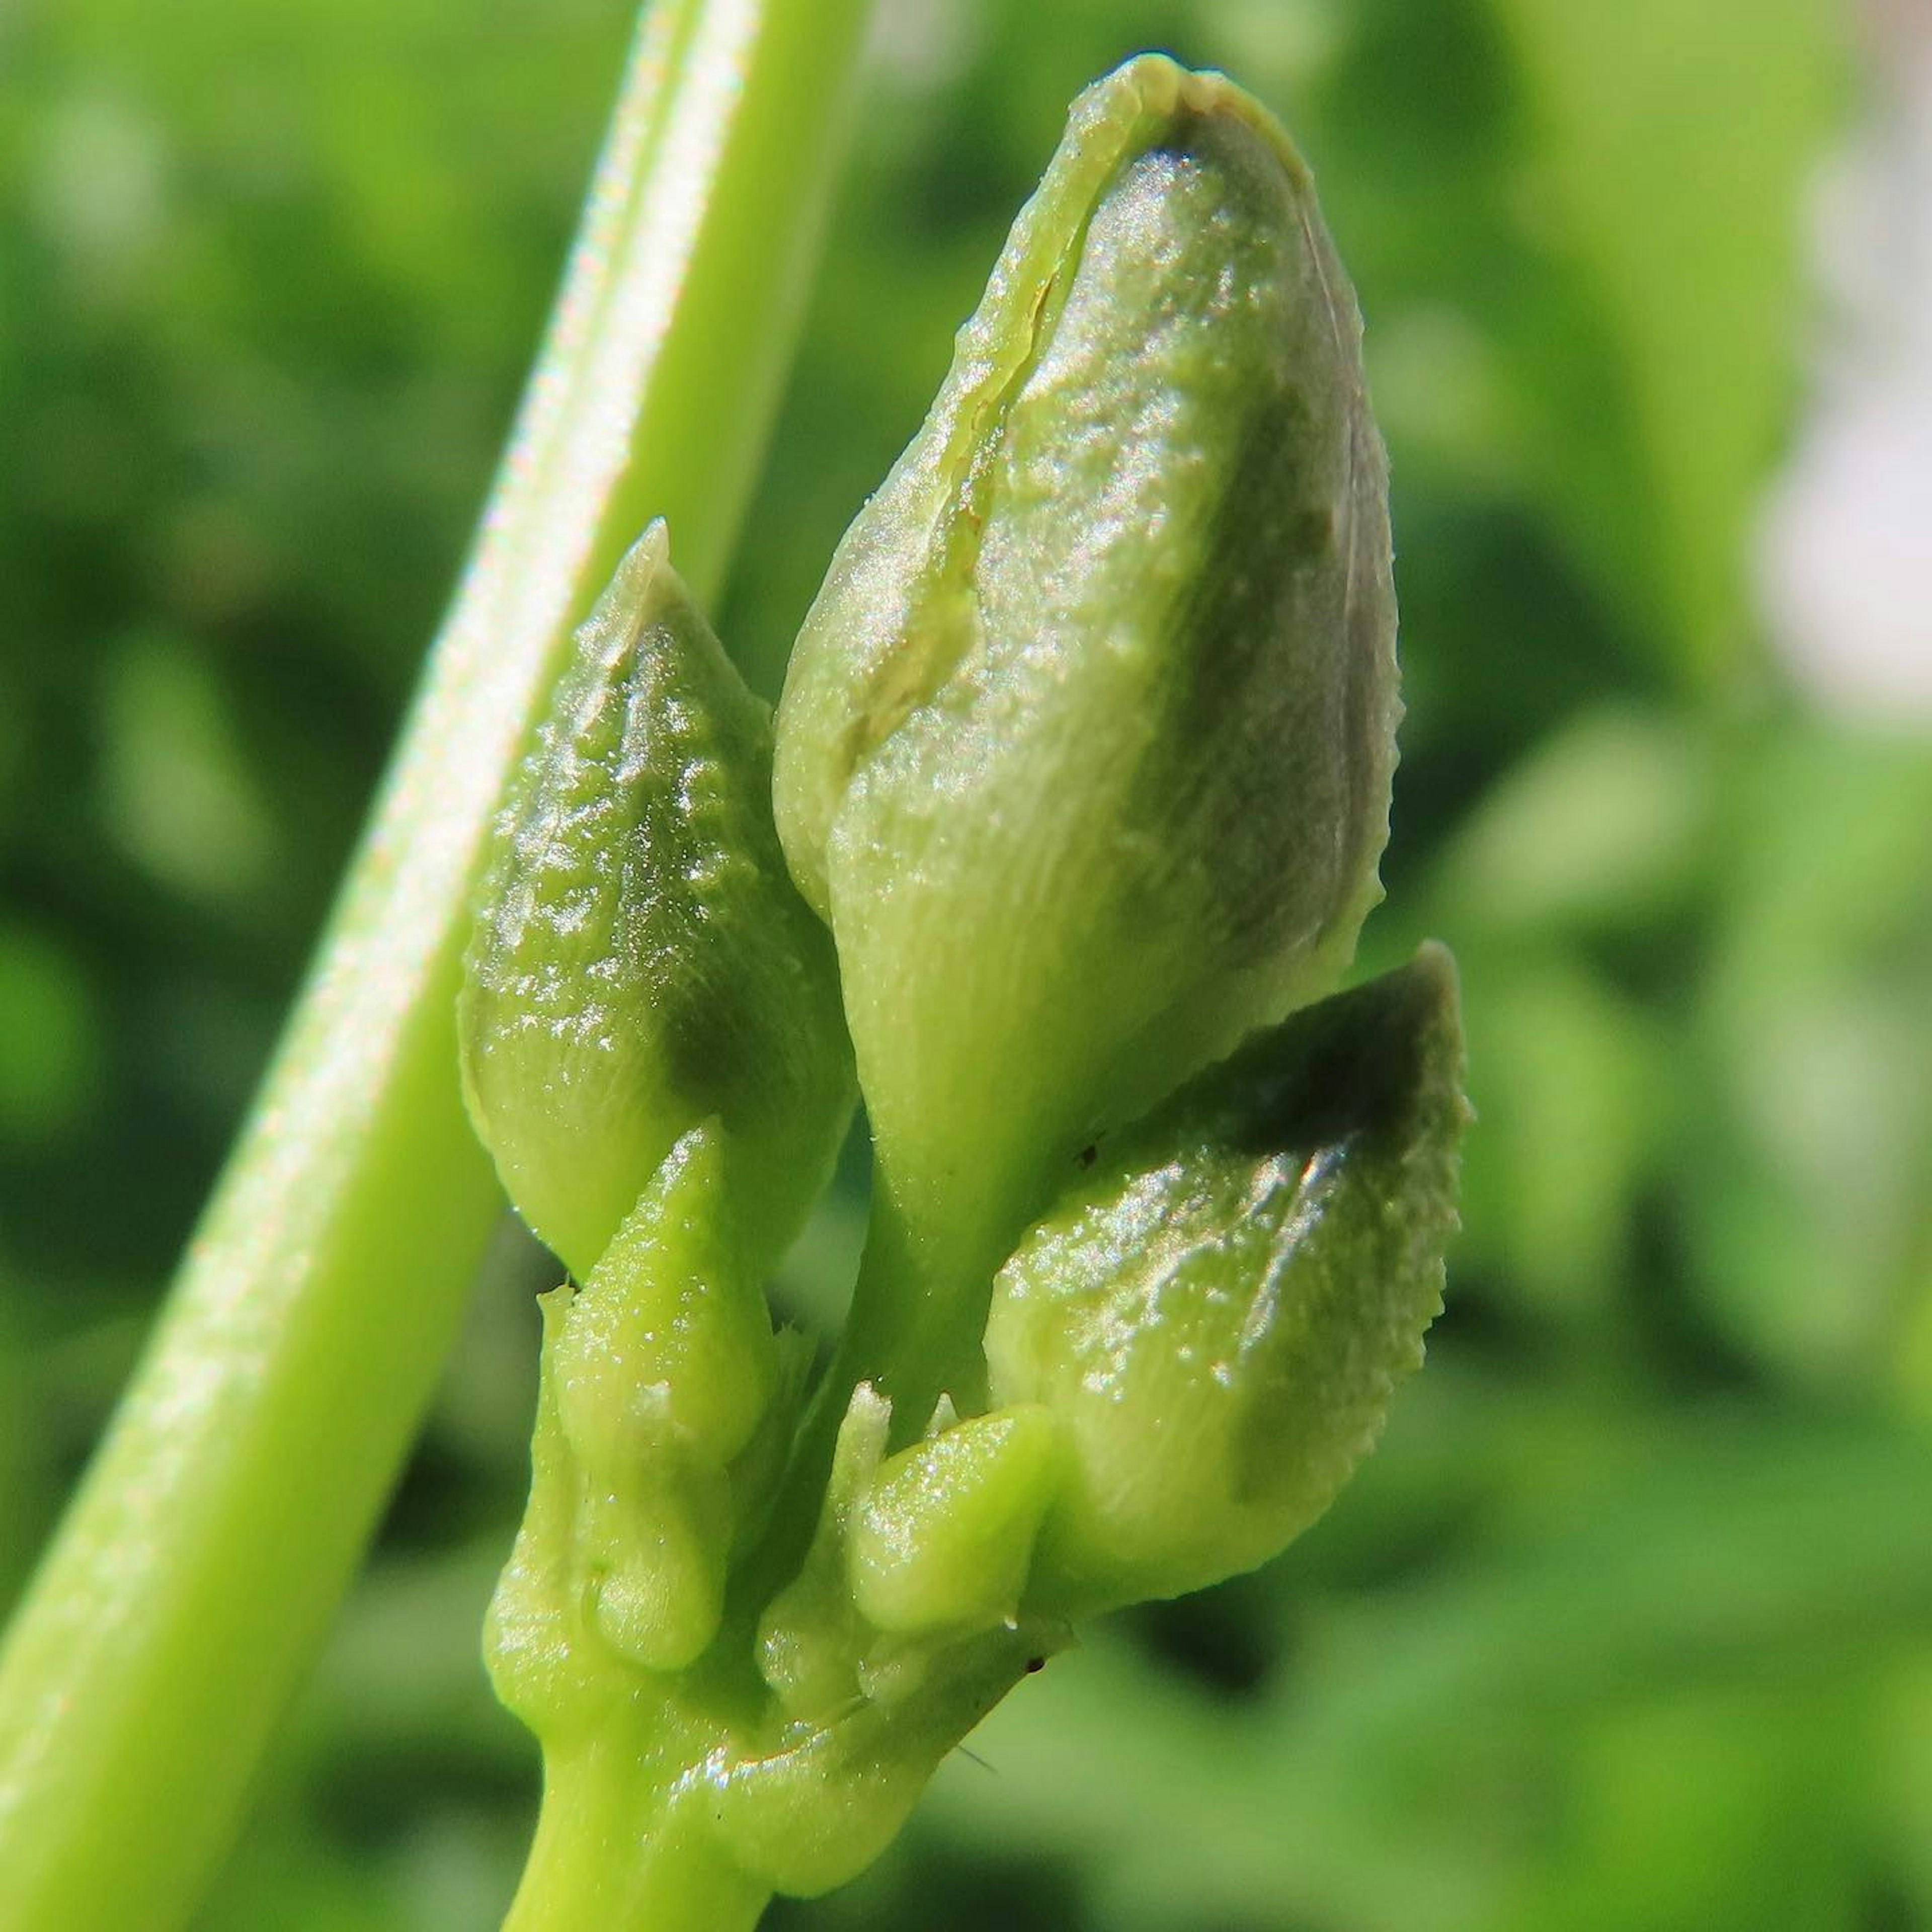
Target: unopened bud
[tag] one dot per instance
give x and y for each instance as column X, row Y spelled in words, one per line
column 944, row 1537
column 641, row 962
column 659, row 1373
column 1217, row 1312
column 1086, row 745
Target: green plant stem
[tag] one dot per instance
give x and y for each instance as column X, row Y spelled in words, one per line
column 252, row 1453
column 611, row 1852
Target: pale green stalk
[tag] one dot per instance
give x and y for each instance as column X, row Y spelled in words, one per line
column 610, row 1853
column 251, row 1455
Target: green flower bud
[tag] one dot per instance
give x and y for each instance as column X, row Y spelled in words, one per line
column 669, row 1338
column 640, row 961
column 657, row 1374
column 944, row 1536
column 1217, row 1312
column 1086, row 745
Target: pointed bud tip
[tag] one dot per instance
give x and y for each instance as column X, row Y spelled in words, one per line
column 640, row 959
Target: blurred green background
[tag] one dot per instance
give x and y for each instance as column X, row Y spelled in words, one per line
column 1629, row 1622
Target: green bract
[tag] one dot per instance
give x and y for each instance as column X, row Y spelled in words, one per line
column 642, row 962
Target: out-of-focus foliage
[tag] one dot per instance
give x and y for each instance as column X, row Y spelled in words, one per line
column 1629, row 1623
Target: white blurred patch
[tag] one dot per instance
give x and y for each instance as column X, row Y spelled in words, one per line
column 1845, row 555
column 95, row 177
column 920, row 45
